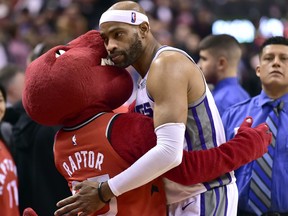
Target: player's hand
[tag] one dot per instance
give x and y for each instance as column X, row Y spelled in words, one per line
column 82, row 203
column 262, row 130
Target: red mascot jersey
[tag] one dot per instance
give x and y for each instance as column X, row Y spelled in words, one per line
column 85, row 153
column 8, row 183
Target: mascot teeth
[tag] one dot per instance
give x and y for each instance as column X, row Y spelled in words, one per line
column 105, row 61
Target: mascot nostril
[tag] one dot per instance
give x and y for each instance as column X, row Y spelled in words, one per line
column 67, row 85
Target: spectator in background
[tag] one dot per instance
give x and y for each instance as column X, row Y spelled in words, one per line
column 270, row 196
column 17, row 46
column 8, row 174
column 12, row 78
column 71, row 23
column 219, row 59
column 3, row 56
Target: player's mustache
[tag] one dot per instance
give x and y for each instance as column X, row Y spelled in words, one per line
column 115, row 53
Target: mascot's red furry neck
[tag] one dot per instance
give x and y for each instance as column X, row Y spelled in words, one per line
column 67, row 85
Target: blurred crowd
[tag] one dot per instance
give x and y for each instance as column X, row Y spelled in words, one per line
column 180, row 23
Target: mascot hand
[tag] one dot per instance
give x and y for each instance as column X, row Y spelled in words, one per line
column 262, row 130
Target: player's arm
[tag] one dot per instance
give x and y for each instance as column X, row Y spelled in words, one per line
column 167, row 84
column 168, row 87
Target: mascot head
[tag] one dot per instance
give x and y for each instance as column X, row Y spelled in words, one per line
column 68, row 84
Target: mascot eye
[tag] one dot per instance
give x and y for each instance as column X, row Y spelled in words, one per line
column 59, row 53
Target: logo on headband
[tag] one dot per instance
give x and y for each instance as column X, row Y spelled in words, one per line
column 133, row 17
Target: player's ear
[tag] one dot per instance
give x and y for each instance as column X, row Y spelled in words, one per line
column 222, row 62
column 144, row 29
column 258, row 71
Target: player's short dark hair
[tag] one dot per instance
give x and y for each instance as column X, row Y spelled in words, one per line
column 277, row 40
column 221, row 41
column 222, row 44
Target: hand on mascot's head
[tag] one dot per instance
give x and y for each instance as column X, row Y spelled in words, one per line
column 67, row 85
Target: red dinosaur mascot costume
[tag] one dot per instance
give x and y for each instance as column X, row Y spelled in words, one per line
column 68, row 86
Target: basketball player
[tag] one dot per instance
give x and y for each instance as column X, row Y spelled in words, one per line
column 173, row 91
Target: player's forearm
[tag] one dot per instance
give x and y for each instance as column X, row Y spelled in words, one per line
column 158, row 160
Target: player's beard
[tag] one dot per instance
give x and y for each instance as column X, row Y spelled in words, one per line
column 131, row 54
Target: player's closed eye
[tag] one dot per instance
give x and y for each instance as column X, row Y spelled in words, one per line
column 284, row 58
column 118, row 35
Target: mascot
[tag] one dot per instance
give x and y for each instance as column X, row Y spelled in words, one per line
column 70, row 86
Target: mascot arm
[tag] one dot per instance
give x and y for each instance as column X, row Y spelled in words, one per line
column 132, row 136
column 197, row 166
column 206, row 165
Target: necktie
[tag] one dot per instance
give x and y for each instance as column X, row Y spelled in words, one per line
column 260, row 184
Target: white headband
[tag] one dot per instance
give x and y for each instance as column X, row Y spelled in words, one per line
column 124, row 16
